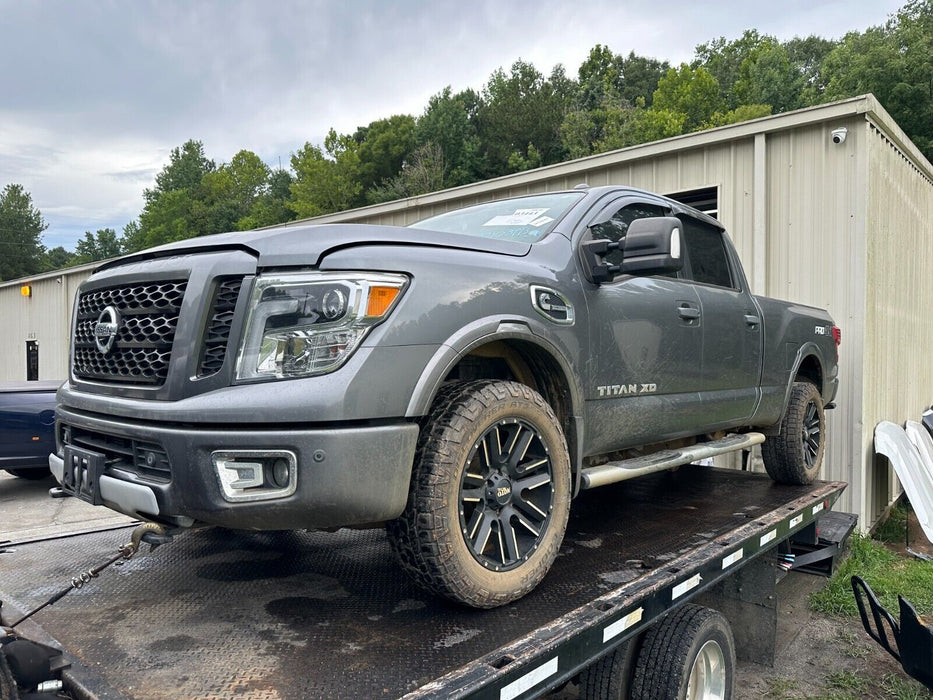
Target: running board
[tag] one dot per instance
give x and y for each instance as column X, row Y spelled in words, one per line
column 611, row 472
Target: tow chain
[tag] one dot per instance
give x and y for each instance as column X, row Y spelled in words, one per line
column 157, row 536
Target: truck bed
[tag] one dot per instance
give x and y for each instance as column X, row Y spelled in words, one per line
column 311, row 614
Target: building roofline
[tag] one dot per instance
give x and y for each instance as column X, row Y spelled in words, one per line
column 52, row 274
column 861, row 105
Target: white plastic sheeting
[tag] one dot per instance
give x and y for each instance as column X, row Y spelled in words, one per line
column 910, row 452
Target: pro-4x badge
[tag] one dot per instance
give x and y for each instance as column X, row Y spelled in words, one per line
column 551, row 304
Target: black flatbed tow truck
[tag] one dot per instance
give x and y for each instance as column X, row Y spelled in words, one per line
column 219, row 614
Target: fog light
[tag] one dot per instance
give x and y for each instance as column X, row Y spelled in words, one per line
column 255, row 475
column 280, row 473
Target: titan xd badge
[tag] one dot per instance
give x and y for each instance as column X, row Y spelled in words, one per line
column 552, row 305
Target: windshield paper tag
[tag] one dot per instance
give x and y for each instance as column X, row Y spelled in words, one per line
column 521, row 217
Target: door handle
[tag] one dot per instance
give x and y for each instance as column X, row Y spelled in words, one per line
column 752, row 320
column 688, row 313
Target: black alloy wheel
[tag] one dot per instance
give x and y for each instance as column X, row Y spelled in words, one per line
column 506, row 495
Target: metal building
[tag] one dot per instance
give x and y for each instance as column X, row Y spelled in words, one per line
column 829, row 206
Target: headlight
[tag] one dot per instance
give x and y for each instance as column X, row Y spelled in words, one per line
column 309, row 323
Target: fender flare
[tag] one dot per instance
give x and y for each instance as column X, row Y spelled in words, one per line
column 485, row 331
column 803, row 352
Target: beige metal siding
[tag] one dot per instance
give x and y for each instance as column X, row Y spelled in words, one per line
column 897, row 370
column 44, row 317
column 815, row 204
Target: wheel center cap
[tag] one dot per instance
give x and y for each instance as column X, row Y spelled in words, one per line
column 499, row 491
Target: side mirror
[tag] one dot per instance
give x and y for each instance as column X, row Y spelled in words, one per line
column 653, row 246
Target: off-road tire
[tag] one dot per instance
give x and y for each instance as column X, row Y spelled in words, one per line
column 794, row 455
column 30, row 474
column 611, row 677
column 670, row 649
column 431, row 539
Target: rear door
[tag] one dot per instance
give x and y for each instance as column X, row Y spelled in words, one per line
column 730, row 358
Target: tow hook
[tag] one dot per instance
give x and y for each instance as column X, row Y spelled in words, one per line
column 152, row 534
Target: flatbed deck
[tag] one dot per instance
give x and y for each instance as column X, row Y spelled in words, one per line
column 218, row 614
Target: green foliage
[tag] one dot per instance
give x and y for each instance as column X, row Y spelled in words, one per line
column 519, row 109
column 887, row 574
column 688, row 93
column 57, row 258
column 449, row 121
column 742, row 113
column 383, row 147
column 895, row 63
column 21, row 227
column 423, row 172
column 97, row 246
column 326, row 180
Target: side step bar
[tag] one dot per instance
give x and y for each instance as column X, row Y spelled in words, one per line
column 611, row 472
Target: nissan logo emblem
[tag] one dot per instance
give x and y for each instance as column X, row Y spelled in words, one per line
column 105, row 331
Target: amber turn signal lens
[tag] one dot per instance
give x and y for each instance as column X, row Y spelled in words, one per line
column 380, row 299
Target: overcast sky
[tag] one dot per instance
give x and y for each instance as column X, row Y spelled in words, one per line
column 94, row 95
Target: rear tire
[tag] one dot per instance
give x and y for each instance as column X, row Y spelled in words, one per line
column 611, row 677
column 794, row 455
column 30, row 474
column 489, row 497
column 689, row 654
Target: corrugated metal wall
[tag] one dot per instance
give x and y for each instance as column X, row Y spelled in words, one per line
column 897, row 364
column 44, row 317
column 815, row 255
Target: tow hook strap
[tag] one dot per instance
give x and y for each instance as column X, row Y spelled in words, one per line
column 151, row 533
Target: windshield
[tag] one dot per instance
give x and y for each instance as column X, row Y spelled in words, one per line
column 523, row 219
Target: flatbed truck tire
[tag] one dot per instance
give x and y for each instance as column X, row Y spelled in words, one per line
column 794, row 455
column 489, row 497
column 688, row 654
column 610, row 678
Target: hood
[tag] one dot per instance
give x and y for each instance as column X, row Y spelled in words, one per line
column 308, row 244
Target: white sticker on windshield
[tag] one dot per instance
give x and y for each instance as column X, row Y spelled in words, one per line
column 541, row 221
column 521, row 217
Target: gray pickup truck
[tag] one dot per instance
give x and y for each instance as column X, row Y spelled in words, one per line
column 459, row 380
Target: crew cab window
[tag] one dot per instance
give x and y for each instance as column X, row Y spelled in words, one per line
column 615, row 228
column 706, row 252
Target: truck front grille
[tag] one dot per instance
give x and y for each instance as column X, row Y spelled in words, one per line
column 146, row 330
column 146, row 459
column 217, row 333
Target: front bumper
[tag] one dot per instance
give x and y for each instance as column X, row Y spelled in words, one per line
column 345, row 475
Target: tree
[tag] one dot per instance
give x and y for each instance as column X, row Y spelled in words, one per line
column 57, row 258
column 383, row 147
column 326, row 180
column 422, row 173
column 187, row 165
column 519, row 109
column 98, row 246
column 272, row 206
column 691, row 92
column 807, row 55
column 723, row 59
column 449, row 121
column 767, row 77
column 21, row 227
column 174, row 209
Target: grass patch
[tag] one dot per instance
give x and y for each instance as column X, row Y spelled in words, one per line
column 886, row 573
column 894, row 527
column 780, row 688
column 901, row 688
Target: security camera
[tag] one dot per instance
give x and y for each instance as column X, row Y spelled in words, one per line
column 839, row 135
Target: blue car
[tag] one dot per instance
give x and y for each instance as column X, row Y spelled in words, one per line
column 27, row 427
